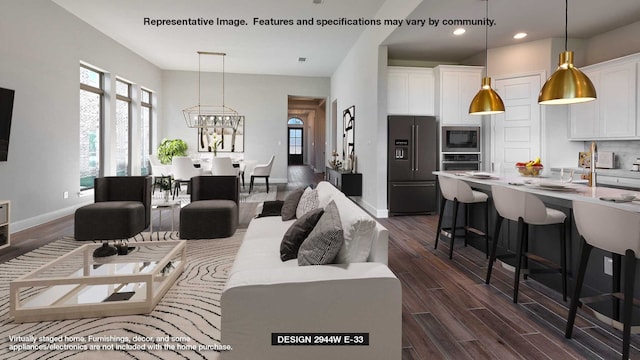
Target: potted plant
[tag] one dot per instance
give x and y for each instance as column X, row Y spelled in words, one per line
column 169, row 148
column 165, row 185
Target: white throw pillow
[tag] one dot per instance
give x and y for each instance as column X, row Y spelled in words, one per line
column 308, row 201
column 358, row 230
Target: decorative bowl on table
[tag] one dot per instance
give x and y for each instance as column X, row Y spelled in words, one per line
column 530, row 170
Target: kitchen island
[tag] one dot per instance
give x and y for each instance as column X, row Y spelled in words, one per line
column 544, row 238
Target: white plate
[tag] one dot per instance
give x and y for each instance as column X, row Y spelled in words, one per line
column 552, row 185
column 480, row 175
column 556, row 188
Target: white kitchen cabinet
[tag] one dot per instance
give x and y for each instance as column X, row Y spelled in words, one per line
column 613, row 114
column 455, row 88
column 410, row 91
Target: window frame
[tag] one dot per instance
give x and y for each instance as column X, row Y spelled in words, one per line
column 129, row 102
column 144, row 106
column 101, row 93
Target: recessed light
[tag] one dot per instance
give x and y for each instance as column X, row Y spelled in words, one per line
column 520, row 35
column 459, row 31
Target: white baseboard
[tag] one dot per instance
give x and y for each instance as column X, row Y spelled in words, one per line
column 44, row 218
column 378, row 213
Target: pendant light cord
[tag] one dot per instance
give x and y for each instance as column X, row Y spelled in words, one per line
column 566, row 22
column 486, row 40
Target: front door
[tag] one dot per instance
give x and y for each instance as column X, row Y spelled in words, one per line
column 295, row 146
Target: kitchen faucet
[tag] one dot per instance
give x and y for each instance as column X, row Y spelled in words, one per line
column 594, row 157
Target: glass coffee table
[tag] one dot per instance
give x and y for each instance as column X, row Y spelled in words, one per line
column 77, row 285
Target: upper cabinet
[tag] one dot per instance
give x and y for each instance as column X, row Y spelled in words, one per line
column 613, row 115
column 455, row 88
column 410, row 91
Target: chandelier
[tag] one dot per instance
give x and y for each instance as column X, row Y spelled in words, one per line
column 210, row 116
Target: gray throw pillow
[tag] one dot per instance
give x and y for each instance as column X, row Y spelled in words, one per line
column 325, row 240
column 297, row 233
column 290, row 205
column 308, row 201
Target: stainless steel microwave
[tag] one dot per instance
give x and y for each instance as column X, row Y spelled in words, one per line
column 461, row 139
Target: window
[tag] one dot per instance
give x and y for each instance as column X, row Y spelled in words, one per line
column 145, row 132
column 91, row 102
column 294, row 121
column 123, row 119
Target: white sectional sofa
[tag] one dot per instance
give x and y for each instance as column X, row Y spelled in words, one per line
column 266, row 296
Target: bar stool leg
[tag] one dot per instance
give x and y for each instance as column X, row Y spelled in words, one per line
column 486, row 229
column 615, row 284
column 494, row 248
column 575, row 299
column 629, row 278
column 525, row 259
column 466, row 223
column 443, row 203
column 453, row 226
column 563, row 259
column 516, row 281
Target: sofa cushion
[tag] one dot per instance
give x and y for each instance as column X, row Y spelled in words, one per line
column 358, row 230
column 271, row 208
column 308, row 201
column 325, row 240
column 290, row 204
column 297, row 233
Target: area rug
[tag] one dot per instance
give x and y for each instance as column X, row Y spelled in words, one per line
column 185, row 324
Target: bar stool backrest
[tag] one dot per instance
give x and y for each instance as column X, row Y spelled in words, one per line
column 455, row 189
column 608, row 228
column 513, row 204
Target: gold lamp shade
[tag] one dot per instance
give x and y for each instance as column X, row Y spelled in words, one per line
column 567, row 85
column 486, row 101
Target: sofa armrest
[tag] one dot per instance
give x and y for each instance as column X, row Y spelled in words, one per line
column 341, row 298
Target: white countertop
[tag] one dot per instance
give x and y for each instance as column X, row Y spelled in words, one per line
column 582, row 191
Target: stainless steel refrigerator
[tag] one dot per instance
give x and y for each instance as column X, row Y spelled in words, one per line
column 412, row 157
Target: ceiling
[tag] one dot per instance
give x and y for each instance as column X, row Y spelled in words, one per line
column 269, row 49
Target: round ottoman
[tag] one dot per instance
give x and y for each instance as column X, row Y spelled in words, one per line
column 208, row 219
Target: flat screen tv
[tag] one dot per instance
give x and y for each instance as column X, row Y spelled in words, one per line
column 6, row 110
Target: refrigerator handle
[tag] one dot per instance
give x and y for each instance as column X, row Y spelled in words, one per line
column 416, row 146
column 413, row 147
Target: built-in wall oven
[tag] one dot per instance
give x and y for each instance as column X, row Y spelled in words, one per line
column 461, row 139
column 459, row 161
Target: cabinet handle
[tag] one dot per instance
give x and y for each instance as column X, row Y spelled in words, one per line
column 415, row 147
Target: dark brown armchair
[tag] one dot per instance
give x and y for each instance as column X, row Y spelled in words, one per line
column 122, row 209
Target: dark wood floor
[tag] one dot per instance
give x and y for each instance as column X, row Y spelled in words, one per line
column 448, row 311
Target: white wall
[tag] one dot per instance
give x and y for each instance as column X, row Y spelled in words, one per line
column 534, row 57
column 40, row 56
column 360, row 80
column 262, row 99
column 613, row 44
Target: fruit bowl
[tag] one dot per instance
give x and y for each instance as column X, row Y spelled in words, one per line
column 530, row 170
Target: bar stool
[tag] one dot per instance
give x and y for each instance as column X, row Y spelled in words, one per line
column 617, row 231
column 459, row 192
column 526, row 209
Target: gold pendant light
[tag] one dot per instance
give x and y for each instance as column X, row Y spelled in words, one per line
column 567, row 85
column 486, row 101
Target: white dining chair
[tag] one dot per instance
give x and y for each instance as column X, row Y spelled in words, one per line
column 526, row 209
column 262, row 171
column 223, row 166
column 616, row 231
column 183, row 171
